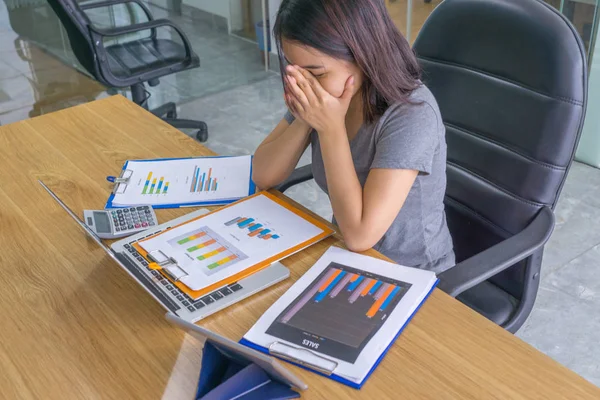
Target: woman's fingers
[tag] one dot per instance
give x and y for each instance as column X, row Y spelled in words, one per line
column 294, row 105
column 295, row 91
column 295, row 76
column 312, row 81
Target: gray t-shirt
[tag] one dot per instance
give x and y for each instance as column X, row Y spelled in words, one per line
column 406, row 136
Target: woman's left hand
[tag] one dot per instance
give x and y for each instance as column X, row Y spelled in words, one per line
column 313, row 104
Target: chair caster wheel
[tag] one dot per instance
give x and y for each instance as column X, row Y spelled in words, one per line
column 202, row 134
column 172, row 114
column 427, row 1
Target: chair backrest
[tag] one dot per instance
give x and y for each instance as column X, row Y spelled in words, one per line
column 510, row 78
column 76, row 24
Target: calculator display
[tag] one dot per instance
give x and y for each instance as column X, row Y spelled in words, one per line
column 102, row 222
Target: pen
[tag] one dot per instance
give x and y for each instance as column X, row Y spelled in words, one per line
column 111, row 178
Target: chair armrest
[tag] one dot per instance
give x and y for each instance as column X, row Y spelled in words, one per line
column 108, row 3
column 299, row 175
column 157, row 23
column 494, row 260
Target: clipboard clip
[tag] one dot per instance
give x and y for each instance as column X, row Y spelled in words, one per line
column 325, row 366
column 121, row 182
column 168, row 265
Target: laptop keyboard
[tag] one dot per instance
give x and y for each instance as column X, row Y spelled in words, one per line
column 182, row 298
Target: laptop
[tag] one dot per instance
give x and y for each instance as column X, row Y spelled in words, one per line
column 160, row 288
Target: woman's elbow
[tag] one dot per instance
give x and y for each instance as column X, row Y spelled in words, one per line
column 359, row 242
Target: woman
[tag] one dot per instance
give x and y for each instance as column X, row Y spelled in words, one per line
column 352, row 88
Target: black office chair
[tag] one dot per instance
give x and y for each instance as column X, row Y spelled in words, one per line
column 131, row 63
column 510, row 78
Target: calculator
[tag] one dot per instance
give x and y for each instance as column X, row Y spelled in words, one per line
column 120, row 222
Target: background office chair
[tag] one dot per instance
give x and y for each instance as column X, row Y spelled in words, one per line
column 130, row 63
column 510, row 78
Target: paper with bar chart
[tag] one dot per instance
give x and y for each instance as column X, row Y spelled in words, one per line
column 234, row 238
column 187, row 181
column 347, row 308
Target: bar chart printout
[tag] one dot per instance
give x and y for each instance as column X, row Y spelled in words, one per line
column 253, row 228
column 341, row 310
column 203, row 181
column 210, row 250
column 155, row 185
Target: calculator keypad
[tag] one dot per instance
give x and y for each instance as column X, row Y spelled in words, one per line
column 126, row 219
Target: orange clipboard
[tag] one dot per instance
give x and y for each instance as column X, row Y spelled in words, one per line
column 195, row 294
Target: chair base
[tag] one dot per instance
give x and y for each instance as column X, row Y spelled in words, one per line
column 168, row 113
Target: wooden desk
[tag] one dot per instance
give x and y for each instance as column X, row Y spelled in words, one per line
column 74, row 325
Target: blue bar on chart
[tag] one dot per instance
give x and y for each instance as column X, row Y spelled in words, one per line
column 335, row 281
column 374, row 288
column 355, row 283
column 356, row 294
column 233, row 221
column 307, row 296
column 390, row 298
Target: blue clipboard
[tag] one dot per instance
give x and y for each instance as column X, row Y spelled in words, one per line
column 109, row 202
column 336, row 377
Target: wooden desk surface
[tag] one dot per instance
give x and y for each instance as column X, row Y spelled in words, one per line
column 74, row 325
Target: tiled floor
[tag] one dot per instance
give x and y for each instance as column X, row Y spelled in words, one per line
column 565, row 321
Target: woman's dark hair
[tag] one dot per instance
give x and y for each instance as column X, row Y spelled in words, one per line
column 360, row 31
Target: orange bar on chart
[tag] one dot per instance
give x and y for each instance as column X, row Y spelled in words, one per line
column 201, row 245
column 328, row 281
column 373, row 310
column 190, row 238
column 354, row 277
column 368, row 287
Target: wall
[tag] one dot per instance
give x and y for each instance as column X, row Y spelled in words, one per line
column 589, row 146
column 217, row 7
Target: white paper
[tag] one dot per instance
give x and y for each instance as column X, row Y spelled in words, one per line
column 185, row 181
column 231, row 240
column 414, row 285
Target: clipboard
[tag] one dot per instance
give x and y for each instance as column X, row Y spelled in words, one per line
column 123, row 181
column 327, row 367
column 171, row 270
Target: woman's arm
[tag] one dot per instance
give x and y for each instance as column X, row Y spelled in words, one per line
column 363, row 215
column 278, row 155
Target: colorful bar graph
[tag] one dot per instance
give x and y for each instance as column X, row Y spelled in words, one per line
column 233, row 221
column 340, row 285
column 390, row 298
column 202, row 184
column 246, row 221
column 263, row 233
column 201, row 245
column 160, row 183
column 298, row 306
column 375, row 288
column 190, row 238
column 368, row 287
column 211, row 253
column 221, row 262
column 337, row 279
column 214, row 187
column 356, row 294
column 209, row 179
column 336, row 272
column 152, row 186
column 357, row 280
column 147, row 183
column 380, row 291
column 269, row 236
column 194, row 179
column 375, row 307
column 254, row 227
column 166, row 188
